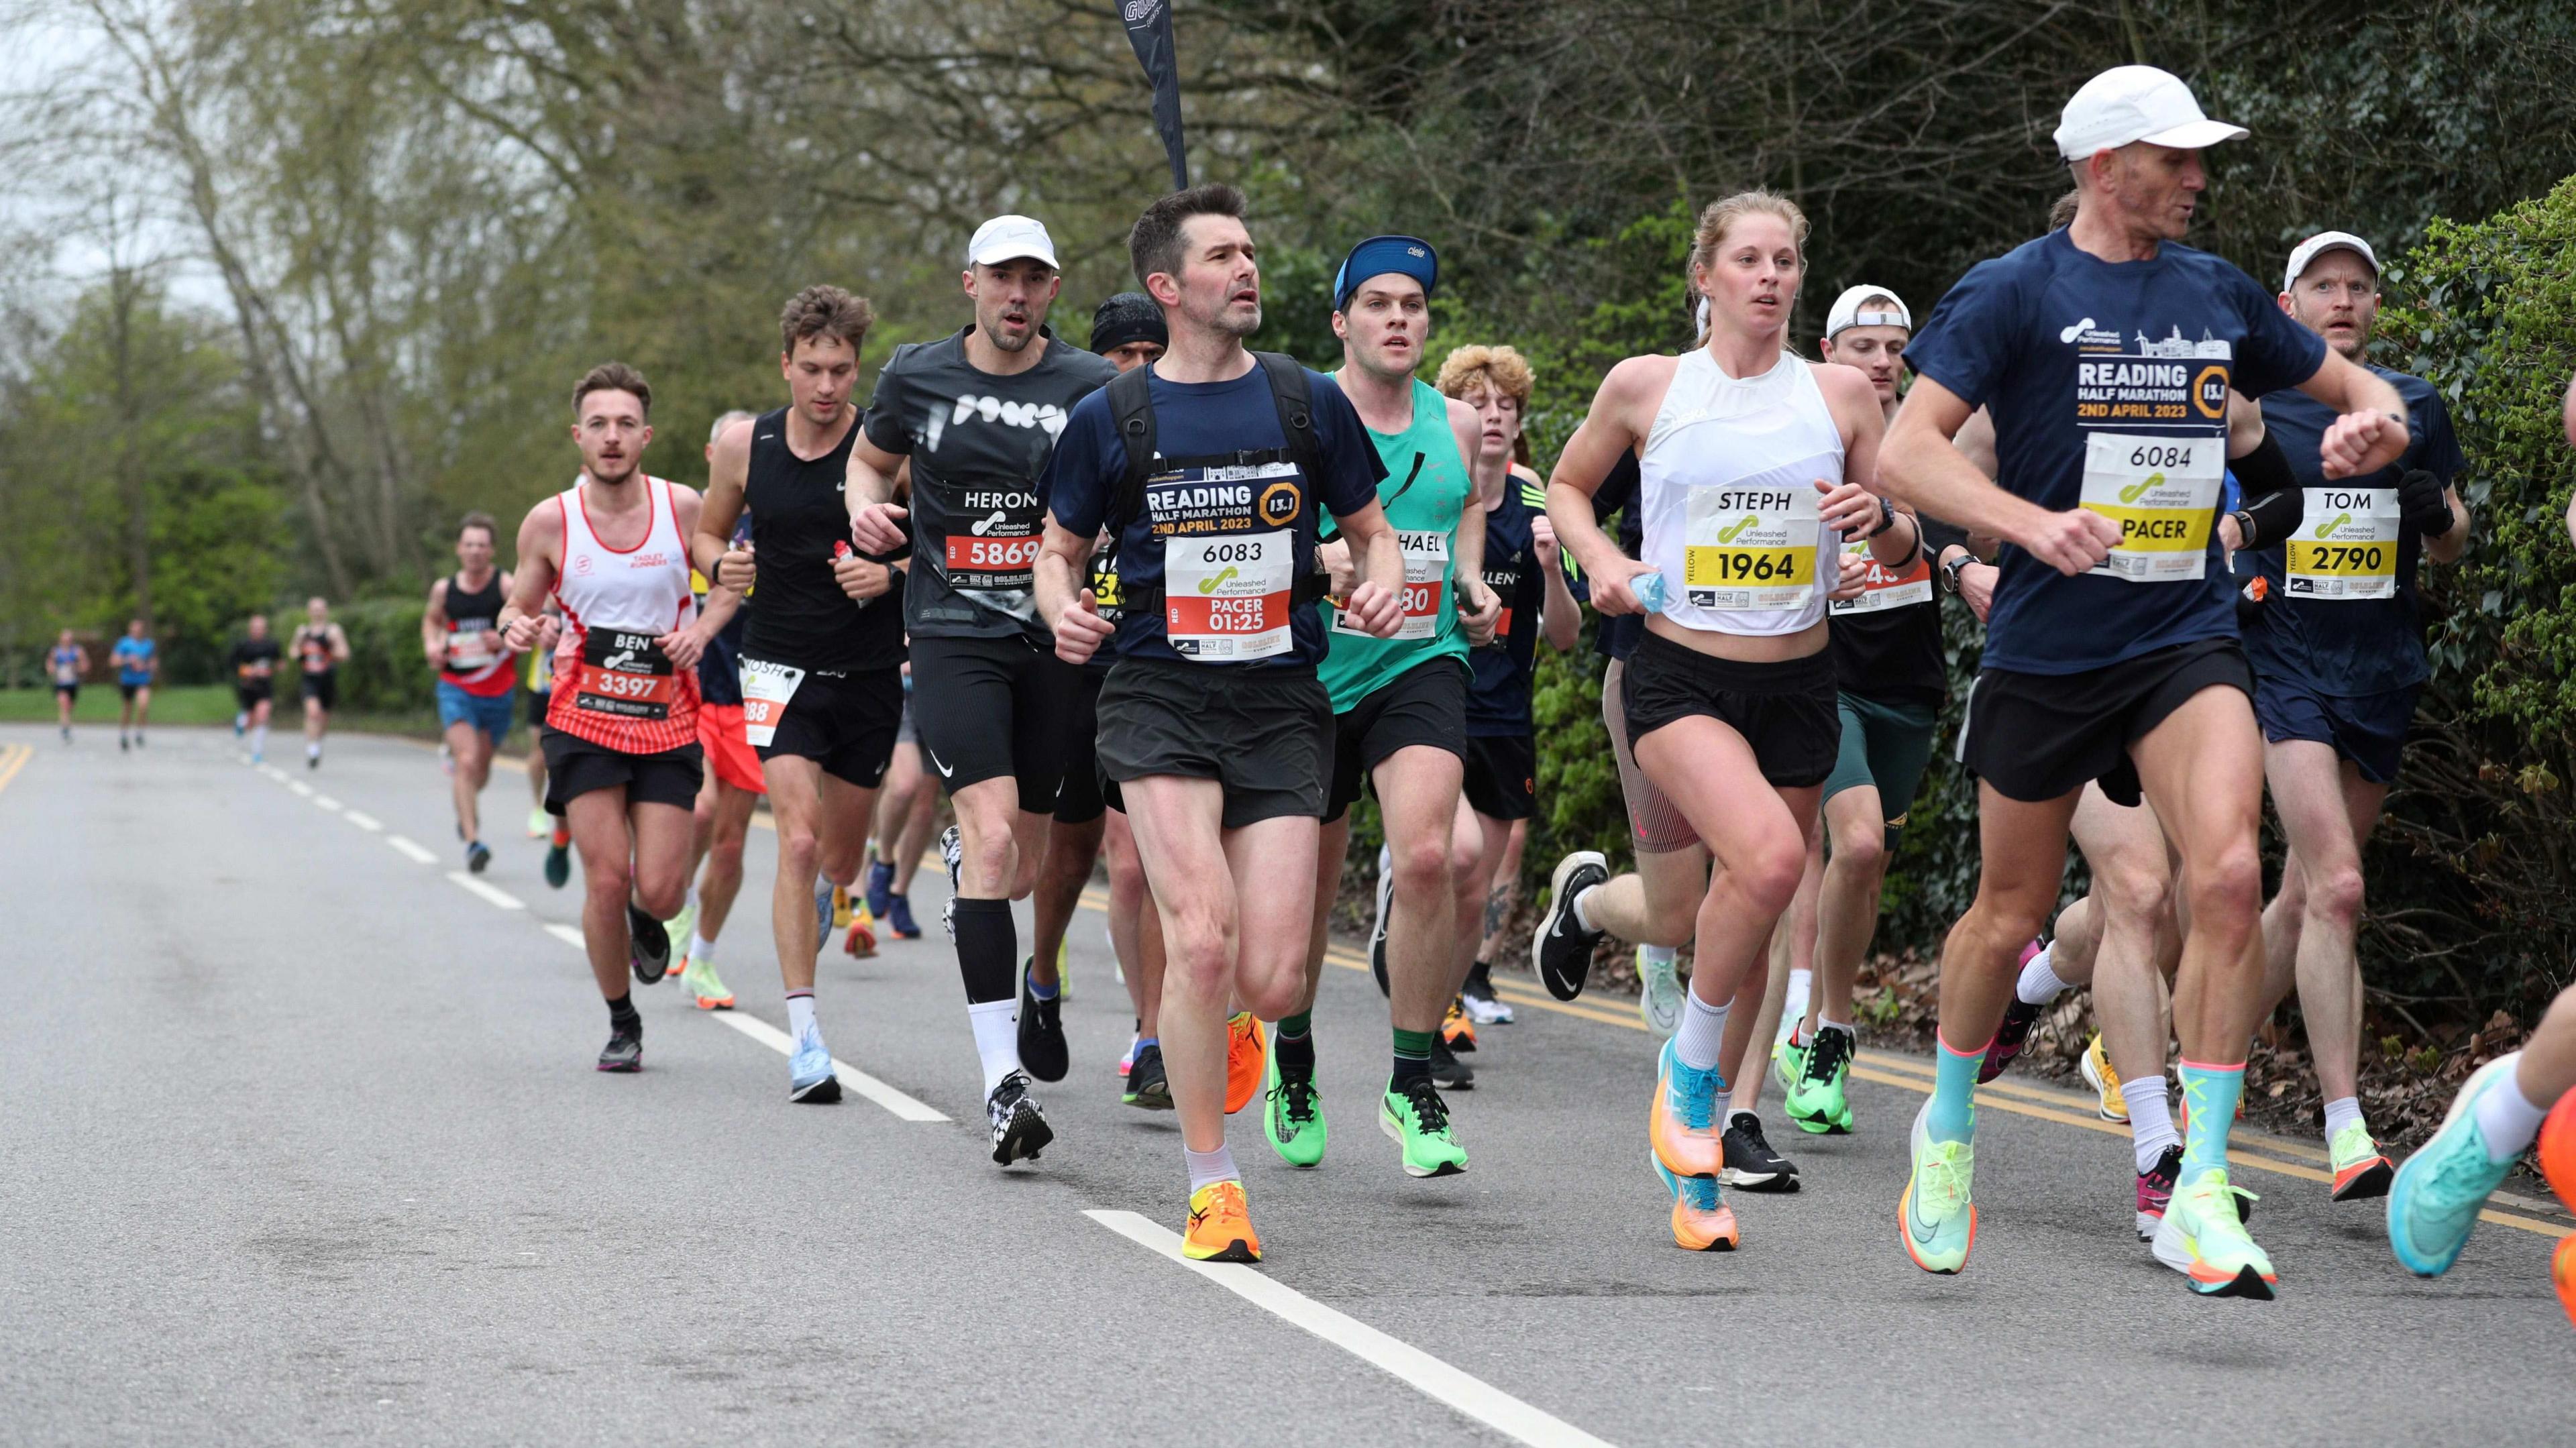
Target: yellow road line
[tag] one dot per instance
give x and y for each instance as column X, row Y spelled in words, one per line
column 13, row 758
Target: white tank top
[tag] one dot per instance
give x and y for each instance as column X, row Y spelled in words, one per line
column 643, row 589
column 1729, row 491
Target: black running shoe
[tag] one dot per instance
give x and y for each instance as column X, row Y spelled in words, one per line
column 625, row 1050
column 1042, row 1046
column 1019, row 1127
column 1751, row 1164
column 2010, row 1037
column 649, row 947
column 558, row 865
column 1447, row 1071
column 478, row 857
column 1147, row 1089
column 1562, row 949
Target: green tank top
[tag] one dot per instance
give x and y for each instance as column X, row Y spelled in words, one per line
column 1425, row 490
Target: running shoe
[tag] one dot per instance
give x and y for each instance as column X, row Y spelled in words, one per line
column 477, row 858
column 1483, row 1006
column 1750, row 1162
column 2010, row 1037
column 1683, row 1122
column 1247, row 1050
column 822, row 912
column 2202, row 1236
column 2359, row 1170
column 1937, row 1217
column 2155, row 1188
column 1456, row 1031
column 1127, row 1058
column 1292, row 1115
column 540, row 824
column 558, row 864
column 1385, row 907
column 1659, row 993
column 1561, row 950
column 705, row 987
column 1702, row 1221
column 898, row 918
column 860, row 941
column 1416, row 1119
column 2434, row 1200
column 1447, row 1071
column 313, row 760
column 1147, row 1088
column 1220, row 1227
column 1020, row 1131
column 1817, row 1102
column 678, row 928
column 1042, row 1044
column 1788, row 1053
column 840, row 908
column 952, row 853
column 2111, row 1099
column 624, row 1051
column 648, row 946
column 810, row 1075
column 880, row 887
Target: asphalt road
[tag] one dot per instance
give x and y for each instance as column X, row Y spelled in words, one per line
column 300, row 1141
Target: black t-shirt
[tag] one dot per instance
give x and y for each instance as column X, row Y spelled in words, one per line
column 1887, row 642
column 720, row 667
column 799, row 526
column 1619, row 633
column 978, row 443
column 254, row 662
column 1498, row 675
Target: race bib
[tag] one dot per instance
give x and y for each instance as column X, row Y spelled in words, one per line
column 624, row 675
column 1426, row 580
column 2346, row 545
column 1750, row 548
column 1226, row 600
column 766, row 688
column 2163, row 492
column 1887, row 588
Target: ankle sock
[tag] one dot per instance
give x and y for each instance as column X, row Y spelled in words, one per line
column 622, row 1016
column 1412, row 1058
column 1953, row 1112
column 2151, row 1127
column 1207, row 1168
column 2341, row 1112
column 1583, row 917
column 2507, row 1118
column 702, row 951
column 2038, row 984
column 1701, row 1042
column 800, row 1013
column 2211, row 1091
column 1043, row 992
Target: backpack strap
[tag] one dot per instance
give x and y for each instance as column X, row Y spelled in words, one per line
column 1131, row 412
column 1296, row 403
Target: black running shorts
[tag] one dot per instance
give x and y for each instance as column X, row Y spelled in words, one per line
column 1262, row 733
column 2038, row 737
column 250, row 695
column 575, row 766
column 994, row 709
column 1081, row 800
column 844, row 722
column 1502, row 776
column 1785, row 710
column 323, row 689
column 1426, row 704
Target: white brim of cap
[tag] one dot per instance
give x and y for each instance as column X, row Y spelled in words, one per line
column 2196, row 135
column 996, row 255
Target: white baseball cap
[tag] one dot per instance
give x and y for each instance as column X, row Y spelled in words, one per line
column 1008, row 238
column 2136, row 103
column 1847, row 312
column 2318, row 245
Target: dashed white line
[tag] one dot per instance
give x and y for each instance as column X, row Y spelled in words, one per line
column 300, row 787
column 410, row 850
column 491, row 893
column 1472, row 1396
column 569, row 935
column 362, row 821
column 324, row 801
column 851, row 1076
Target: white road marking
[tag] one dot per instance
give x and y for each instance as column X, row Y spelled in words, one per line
column 569, row 935
column 493, row 893
column 300, row 787
column 362, row 821
column 324, row 801
column 409, row 850
column 1472, row 1396
column 851, row 1076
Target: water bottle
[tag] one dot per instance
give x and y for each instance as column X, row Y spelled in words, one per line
column 1649, row 588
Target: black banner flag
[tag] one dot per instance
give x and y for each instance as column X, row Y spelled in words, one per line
column 1149, row 29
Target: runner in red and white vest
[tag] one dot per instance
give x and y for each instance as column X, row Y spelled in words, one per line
column 621, row 741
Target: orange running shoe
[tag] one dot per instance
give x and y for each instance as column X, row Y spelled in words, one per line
column 2557, row 1153
column 2562, row 1266
column 862, row 939
column 1458, row 1032
column 1702, row 1221
column 1684, row 1125
column 1220, row 1227
column 1247, row 1061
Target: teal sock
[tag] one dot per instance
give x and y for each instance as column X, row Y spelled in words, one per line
column 2210, row 1094
column 1953, row 1116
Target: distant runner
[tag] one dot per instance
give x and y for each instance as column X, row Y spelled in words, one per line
column 253, row 665
column 67, row 661
column 137, row 662
column 320, row 648
column 459, row 633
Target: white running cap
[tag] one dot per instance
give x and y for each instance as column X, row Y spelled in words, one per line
column 2318, row 245
column 1847, row 312
column 2130, row 103
column 1008, row 238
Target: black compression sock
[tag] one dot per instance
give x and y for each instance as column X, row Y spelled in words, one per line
column 622, row 1016
column 988, row 950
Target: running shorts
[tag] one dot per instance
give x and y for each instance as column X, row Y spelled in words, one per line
column 1655, row 823
column 994, row 709
column 1784, row 710
column 248, row 695
column 728, row 751
column 1884, row 747
column 128, row 691
column 2368, row 729
column 1502, row 775
column 844, row 722
column 575, row 766
column 488, row 713
column 1082, row 800
column 1426, row 704
column 2038, row 737
column 68, row 691
column 323, row 689
column 1264, row 734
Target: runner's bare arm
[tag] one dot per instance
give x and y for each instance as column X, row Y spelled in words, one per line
column 1560, row 618
column 1919, row 464
column 1609, row 430
column 1478, row 609
column 339, row 644
column 1376, row 602
column 433, row 624
column 721, row 602
column 710, row 546
column 1068, row 608
column 876, row 523
column 2371, row 433
column 540, row 554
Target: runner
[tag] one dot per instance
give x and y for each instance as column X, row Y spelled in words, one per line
column 137, row 663
column 253, row 664
column 2338, row 653
column 464, row 644
column 1211, row 468
column 320, row 648
column 977, row 414
column 622, row 756
column 1754, row 464
column 821, row 663
column 720, row 820
column 67, row 661
column 2104, row 352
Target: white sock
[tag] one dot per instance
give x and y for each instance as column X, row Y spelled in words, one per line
column 800, row 1015
column 259, row 740
column 997, row 1039
column 2341, row 1112
column 1583, row 917
column 702, row 951
column 312, row 748
column 2507, row 1118
column 1845, row 1027
column 2038, row 984
column 1207, row 1168
column 1660, row 956
column 1794, row 1002
column 2151, row 1127
column 1702, row 1036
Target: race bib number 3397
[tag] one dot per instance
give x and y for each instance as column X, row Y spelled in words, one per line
column 2163, row 492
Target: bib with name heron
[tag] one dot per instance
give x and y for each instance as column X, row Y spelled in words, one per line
column 1728, row 479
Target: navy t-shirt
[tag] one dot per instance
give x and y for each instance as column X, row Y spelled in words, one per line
column 1498, row 675
column 2349, row 646
column 1224, row 472
column 2109, row 378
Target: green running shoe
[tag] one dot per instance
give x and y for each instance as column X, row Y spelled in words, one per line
column 1815, row 1101
column 1788, row 1058
column 704, row 986
column 677, row 927
column 1292, row 1114
column 1416, row 1119
column 1936, row 1218
column 2203, row 1237
column 2435, row 1198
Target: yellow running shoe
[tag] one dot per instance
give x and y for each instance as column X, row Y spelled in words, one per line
column 1247, row 1060
column 1220, row 1228
column 2104, row 1081
column 840, row 908
column 1455, row 1029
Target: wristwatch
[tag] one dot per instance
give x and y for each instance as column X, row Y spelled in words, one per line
column 1886, row 518
column 1950, row 571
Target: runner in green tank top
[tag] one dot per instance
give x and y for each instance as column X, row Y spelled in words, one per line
column 1400, row 716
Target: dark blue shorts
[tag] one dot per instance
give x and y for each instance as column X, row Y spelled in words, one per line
column 2368, row 729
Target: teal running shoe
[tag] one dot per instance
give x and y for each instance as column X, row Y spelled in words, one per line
column 2434, row 1200
column 1937, row 1218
